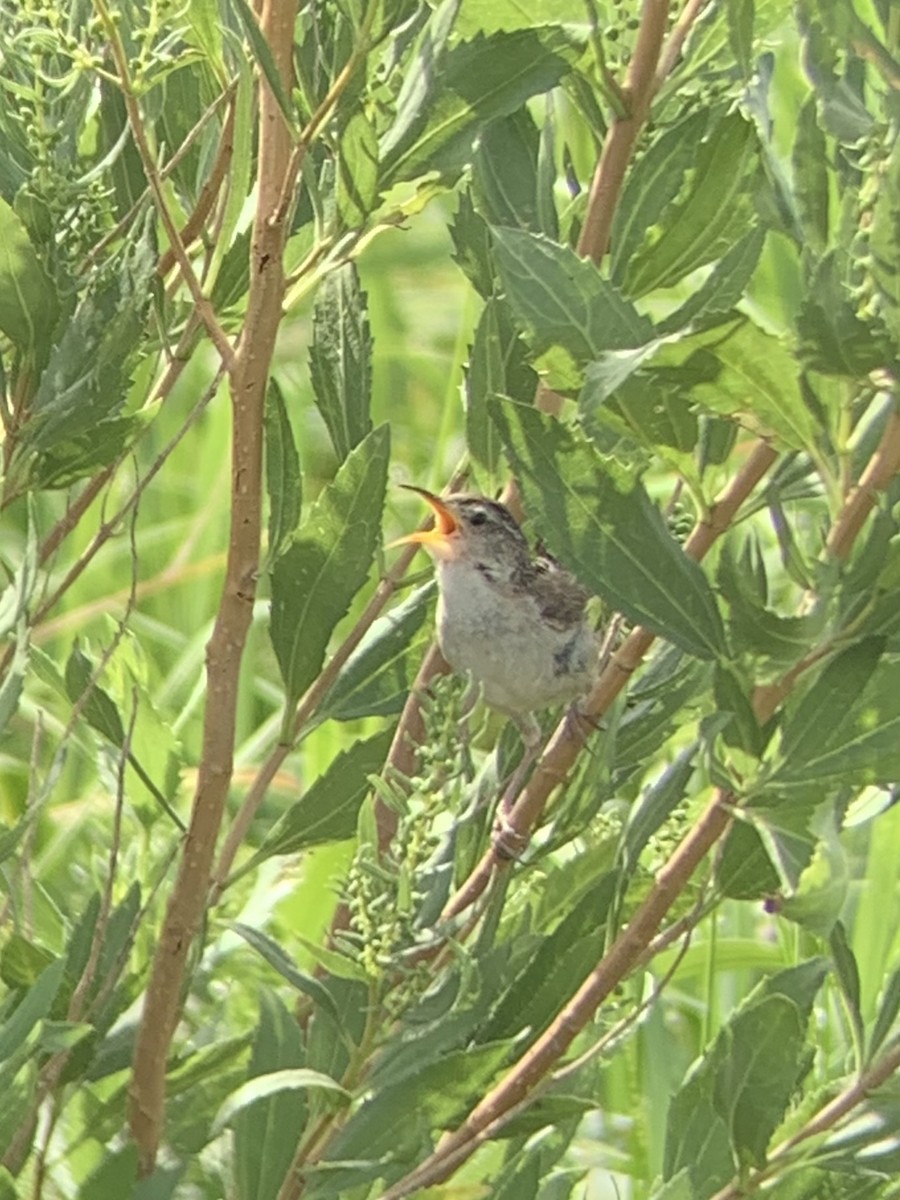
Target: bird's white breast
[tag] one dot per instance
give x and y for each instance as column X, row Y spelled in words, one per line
column 522, row 663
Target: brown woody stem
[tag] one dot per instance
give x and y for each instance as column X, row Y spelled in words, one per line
column 248, row 373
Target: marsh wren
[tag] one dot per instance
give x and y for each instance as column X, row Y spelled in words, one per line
column 514, row 621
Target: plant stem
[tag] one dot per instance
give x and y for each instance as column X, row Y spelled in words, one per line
column 248, row 372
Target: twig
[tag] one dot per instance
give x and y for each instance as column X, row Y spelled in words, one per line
column 248, row 375
column 211, row 187
column 637, row 93
column 880, row 470
column 204, row 308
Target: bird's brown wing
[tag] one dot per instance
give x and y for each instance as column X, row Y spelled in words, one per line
column 561, row 597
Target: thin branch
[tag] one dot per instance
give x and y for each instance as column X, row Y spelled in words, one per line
column 637, row 93
column 880, row 470
column 672, row 51
column 203, row 306
column 248, row 376
column 208, row 194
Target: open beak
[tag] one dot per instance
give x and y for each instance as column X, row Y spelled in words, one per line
column 445, row 525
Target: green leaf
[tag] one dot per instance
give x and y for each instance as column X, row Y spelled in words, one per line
column 376, row 678
column 33, row 1006
column 888, row 1007
column 740, row 33
column 833, row 337
column 279, row 961
column 603, row 526
column 328, row 809
column 266, row 1132
column 116, row 1175
column 471, row 239
column 651, row 185
column 505, row 172
column 497, row 367
column 732, row 696
column 643, row 407
column 75, row 420
column 391, row 1126
column 653, row 808
column 736, row 1096
column 744, row 869
column 884, row 242
column 254, row 1091
column 742, row 372
column 847, row 725
column 555, row 969
column 753, row 628
column 810, row 176
column 283, row 480
column 448, row 96
column 718, row 295
column 357, row 170
column 847, row 972
column 321, row 570
column 708, row 217
column 99, row 709
column 562, row 300
column 340, row 359
column 28, row 303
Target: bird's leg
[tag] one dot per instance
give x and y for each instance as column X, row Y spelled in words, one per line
column 507, row 842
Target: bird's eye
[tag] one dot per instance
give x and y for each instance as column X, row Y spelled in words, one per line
column 478, row 517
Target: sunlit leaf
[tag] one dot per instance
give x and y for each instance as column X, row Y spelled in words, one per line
column 340, row 359
column 321, row 570
column 603, row 526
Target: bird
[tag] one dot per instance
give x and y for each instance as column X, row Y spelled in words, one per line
column 516, row 622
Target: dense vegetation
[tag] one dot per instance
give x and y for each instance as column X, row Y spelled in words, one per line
column 635, row 264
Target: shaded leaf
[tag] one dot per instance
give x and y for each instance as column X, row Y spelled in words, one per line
column 561, row 299
column 33, row 1006
column 266, row 1132
column 328, row 809
column 448, row 96
column 283, row 481
column 651, row 185
column 357, row 169
column 340, row 359
column 603, row 526
column 28, row 302
column 322, row 569
column 376, row 678
column 711, row 303
column 75, row 419
column 737, row 1095
column 709, row 216
column 263, row 1086
column 497, row 367
column 263, row 55
column 277, row 958
column 742, row 372
column 505, row 178
column 847, row 726
column 754, row 628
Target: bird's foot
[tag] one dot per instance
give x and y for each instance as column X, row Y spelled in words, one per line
column 508, row 844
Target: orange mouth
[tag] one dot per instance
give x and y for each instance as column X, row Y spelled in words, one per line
column 437, row 538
